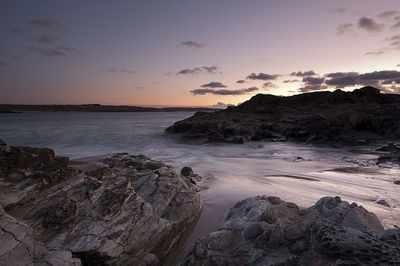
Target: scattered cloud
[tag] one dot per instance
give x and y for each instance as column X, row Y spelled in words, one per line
column 240, row 81
column 198, row 70
column 394, row 41
column 337, row 10
column 214, row 84
column 223, row 91
column 47, row 39
column 121, row 70
column 398, row 65
column 17, row 30
column 53, row 51
column 261, row 76
column 378, row 52
column 222, row 105
column 313, row 81
column 192, row 44
column 344, row 28
column 311, row 88
column 291, row 81
column 369, row 24
column 376, row 78
column 388, row 14
column 396, row 24
column 269, row 85
column 303, row 74
column 49, row 23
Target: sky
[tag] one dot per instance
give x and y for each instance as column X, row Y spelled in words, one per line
column 193, row 53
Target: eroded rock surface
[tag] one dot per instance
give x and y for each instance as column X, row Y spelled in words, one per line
column 351, row 118
column 268, row 231
column 122, row 209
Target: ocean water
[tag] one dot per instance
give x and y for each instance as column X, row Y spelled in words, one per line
column 295, row 172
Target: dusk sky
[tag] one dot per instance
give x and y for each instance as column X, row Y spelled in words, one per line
column 193, row 53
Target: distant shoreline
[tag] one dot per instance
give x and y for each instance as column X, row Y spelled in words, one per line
column 19, row 108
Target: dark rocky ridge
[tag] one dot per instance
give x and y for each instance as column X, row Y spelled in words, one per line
column 117, row 210
column 359, row 117
column 268, row 231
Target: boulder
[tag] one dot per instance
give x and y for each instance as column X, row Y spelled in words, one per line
column 122, row 209
column 268, row 231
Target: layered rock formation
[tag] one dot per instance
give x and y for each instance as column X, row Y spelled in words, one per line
column 122, row 209
column 268, row 231
column 359, row 117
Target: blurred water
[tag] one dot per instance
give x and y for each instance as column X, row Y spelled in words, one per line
column 295, row 172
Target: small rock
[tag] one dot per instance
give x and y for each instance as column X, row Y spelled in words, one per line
column 397, row 182
column 186, row 171
column 384, row 203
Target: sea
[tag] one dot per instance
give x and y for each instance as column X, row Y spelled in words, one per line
column 296, row 172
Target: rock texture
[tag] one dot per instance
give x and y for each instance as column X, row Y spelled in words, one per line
column 268, row 231
column 119, row 210
column 359, row 117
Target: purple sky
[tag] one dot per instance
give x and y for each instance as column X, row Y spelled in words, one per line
column 192, row 53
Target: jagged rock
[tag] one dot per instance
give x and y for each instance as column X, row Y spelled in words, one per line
column 392, row 156
column 384, row 203
column 397, row 182
column 123, row 209
column 268, row 231
column 359, row 117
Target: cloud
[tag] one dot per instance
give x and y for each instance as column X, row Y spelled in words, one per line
column 369, row 24
column 269, row 85
column 192, row 44
column 398, row 65
column 240, row 81
column 222, row 105
column 344, row 28
column 291, row 81
column 376, row 78
column 313, row 81
column 121, row 70
column 52, row 52
column 223, row 91
column 303, row 74
column 213, row 84
column 388, row 14
column 17, row 30
column 47, row 39
column 49, row 23
column 396, row 24
column 378, row 52
column 337, row 10
column 311, row 88
column 394, row 40
column 261, row 76
column 3, row 64
column 198, row 70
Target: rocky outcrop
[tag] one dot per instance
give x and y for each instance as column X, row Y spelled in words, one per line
column 359, row 117
column 268, row 231
column 122, row 209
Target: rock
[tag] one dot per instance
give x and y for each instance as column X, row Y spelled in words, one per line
column 186, row 171
column 392, row 157
column 123, row 209
column 384, row 203
column 338, row 118
column 267, row 231
column 397, row 182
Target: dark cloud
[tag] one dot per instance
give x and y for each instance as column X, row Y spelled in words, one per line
column 303, row 74
column 337, row 10
column 223, row 91
column 121, row 70
column 47, row 39
column 17, row 30
column 213, row 84
column 394, row 40
column 369, row 24
column 388, row 14
column 291, row 81
column 313, row 81
column 269, row 85
column 240, row 81
column 222, row 105
column 49, row 23
column 344, row 28
column 192, row 44
column 261, row 76
column 198, row 70
column 376, row 78
column 53, row 51
column 311, row 88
